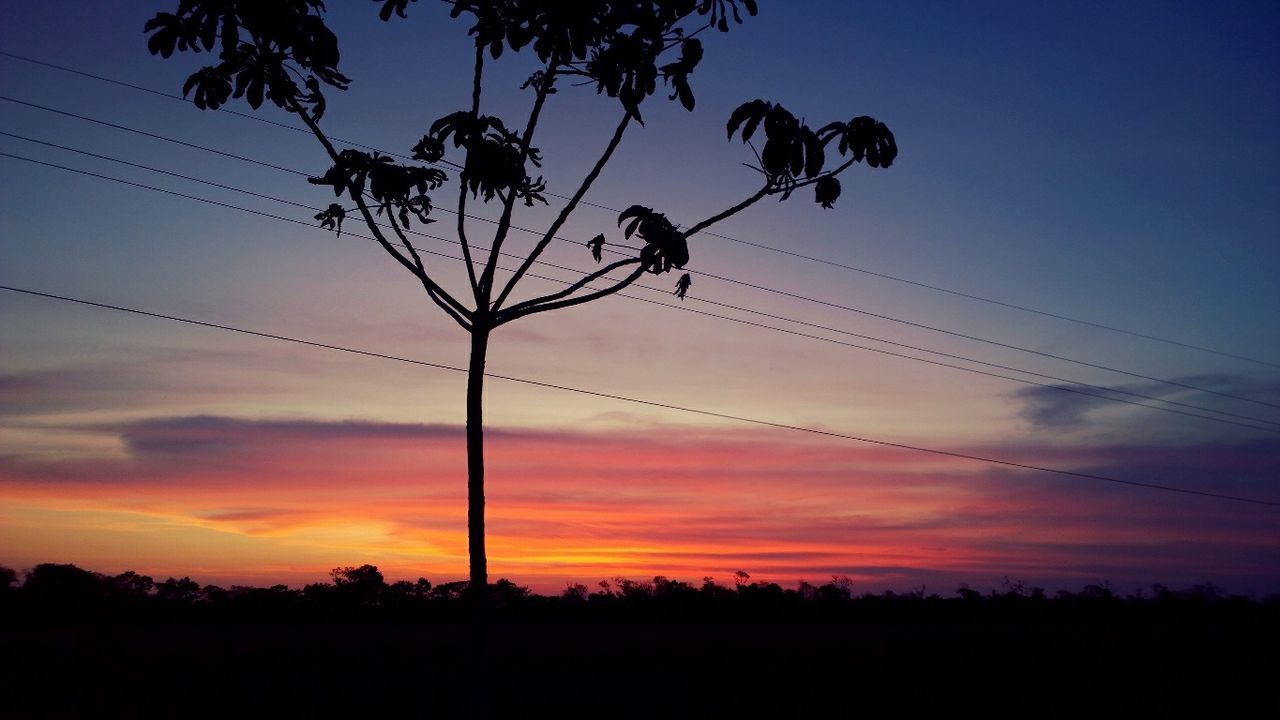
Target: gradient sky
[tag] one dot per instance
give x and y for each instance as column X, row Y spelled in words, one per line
column 1115, row 163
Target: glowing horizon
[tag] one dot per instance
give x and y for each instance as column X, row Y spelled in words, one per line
column 580, row 507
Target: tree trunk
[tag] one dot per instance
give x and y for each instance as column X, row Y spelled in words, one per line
column 479, row 680
column 475, row 462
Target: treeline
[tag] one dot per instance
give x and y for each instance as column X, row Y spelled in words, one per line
column 66, row 593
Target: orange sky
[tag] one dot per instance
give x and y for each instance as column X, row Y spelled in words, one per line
column 230, row 501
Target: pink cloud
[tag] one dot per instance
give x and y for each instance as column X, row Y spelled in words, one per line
column 582, row 506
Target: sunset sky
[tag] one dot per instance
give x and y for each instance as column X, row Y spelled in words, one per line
column 1112, row 163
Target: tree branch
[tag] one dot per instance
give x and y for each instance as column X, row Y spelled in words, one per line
column 431, row 287
column 770, row 188
column 504, row 223
column 518, row 307
column 504, row 318
column 729, row 212
column 462, row 184
column 816, row 178
column 566, row 211
column 414, row 267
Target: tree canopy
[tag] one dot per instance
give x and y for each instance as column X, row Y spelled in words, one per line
column 281, row 52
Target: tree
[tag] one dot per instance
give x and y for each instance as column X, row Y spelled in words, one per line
column 281, row 52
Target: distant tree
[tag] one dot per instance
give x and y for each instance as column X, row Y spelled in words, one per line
column 574, row 593
column 506, row 592
column 807, row 591
column 838, row 591
column 422, row 588
column 184, row 591
column 280, row 52
column 132, row 584
column 449, row 590
column 66, row 590
column 61, row 579
column 361, row 586
column 8, row 587
column 365, row 576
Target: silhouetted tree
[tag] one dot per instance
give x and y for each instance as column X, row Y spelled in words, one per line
column 280, row 52
column 67, row 591
column 365, row 576
column 8, row 587
column 359, row 586
column 574, row 593
column 133, row 585
column 183, row 592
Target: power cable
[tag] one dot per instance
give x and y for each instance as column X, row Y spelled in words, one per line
column 642, row 401
column 762, row 246
column 680, row 307
column 735, row 281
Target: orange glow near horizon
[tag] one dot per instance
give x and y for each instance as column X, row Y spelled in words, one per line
column 261, row 503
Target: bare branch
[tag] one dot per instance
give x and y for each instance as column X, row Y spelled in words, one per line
column 413, row 266
column 635, row 275
column 566, row 211
column 456, row 313
column 462, row 184
column 504, row 223
column 770, row 188
column 729, row 212
column 360, row 203
column 518, row 307
column 676, row 41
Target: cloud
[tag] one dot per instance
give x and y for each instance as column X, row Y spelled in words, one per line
column 206, row 435
column 1067, row 407
column 568, row 504
column 152, row 376
column 43, row 391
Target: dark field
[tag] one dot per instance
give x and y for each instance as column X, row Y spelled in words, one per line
column 360, row 670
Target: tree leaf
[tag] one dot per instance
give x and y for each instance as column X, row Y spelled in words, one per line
column 751, row 113
column 826, row 191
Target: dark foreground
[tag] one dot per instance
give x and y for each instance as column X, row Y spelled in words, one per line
column 79, row 644
column 370, row 670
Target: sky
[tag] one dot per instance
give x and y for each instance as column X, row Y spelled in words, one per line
column 1116, row 164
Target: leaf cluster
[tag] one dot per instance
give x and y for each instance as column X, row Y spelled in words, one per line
column 615, row 44
column 864, row 137
column 664, row 246
column 263, row 46
column 791, row 149
column 331, row 218
column 793, row 152
column 401, row 189
column 495, row 156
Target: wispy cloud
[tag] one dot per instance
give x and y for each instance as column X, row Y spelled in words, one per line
column 1069, row 407
column 684, row 502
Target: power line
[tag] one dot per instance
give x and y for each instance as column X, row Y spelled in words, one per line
column 151, row 135
column 744, row 283
column 992, row 301
column 223, row 153
column 761, row 246
column 181, row 99
column 882, row 351
column 681, row 307
column 642, row 401
column 987, row 341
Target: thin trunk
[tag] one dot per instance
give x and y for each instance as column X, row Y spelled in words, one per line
column 475, row 461
column 478, row 680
